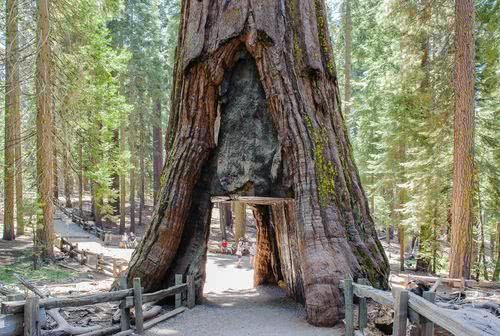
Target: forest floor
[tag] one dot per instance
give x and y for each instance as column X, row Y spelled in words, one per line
column 233, row 307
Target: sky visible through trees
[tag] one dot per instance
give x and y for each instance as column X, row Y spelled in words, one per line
column 104, row 99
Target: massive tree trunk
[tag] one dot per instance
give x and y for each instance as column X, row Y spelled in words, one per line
column 44, row 135
column 256, row 112
column 463, row 144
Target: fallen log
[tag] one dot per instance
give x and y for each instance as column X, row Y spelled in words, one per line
column 62, row 324
column 452, row 281
column 14, row 307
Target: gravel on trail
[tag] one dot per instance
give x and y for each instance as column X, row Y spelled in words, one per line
column 232, row 307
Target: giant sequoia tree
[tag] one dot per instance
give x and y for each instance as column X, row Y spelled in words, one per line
column 256, row 112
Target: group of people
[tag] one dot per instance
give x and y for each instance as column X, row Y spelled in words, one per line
column 244, row 247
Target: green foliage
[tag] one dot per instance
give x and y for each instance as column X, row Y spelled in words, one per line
column 402, row 107
column 24, row 266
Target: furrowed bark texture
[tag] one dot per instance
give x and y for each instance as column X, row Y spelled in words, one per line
column 12, row 106
column 44, row 135
column 463, row 144
column 256, row 111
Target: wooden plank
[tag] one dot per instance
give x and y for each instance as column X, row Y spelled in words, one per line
column 377, row 295
column 400, row 313
column 178, row 296
column 427, row 326
column 163, row 317
column 191, row 292
column 124, row 312
column 31, row 316
column 441, row 317
column 363, row 307
column 156, row 296
column 363, row 314
column 139, row 319
column 349, row 314
column 250, row 199
column 14, row 307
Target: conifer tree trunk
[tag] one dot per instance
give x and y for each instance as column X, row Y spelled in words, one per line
column 80, row 178
column 226, row 218
column 240, row 220
column 115, row 203
column 142, row 176
column 347, row 58
column 132, row 178
column 15, row 89
column 44, row 135
column 496, row 272
column 157, row 149
column 11, row 105
column 256, row 112
column 463, row 145
column 123, row 187
column 68, row 179
column 19, row 174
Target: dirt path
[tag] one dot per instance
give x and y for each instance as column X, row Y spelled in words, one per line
column 63, row 226
column 233, row 307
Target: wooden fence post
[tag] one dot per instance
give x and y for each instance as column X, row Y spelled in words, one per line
column 139, row 320
column 400, row 313
column 124, row 312
column 363, row 308
column 427, row 326
column 178, row 297
column 349, row 318
column 31, row 316
column 191, row 299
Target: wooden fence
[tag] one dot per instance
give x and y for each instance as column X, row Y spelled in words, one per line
column 407, row 306
column 129, row 298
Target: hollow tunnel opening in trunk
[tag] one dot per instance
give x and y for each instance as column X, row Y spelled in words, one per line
column 246, row 165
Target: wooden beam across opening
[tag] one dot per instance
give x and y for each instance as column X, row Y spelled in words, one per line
column 250, row 199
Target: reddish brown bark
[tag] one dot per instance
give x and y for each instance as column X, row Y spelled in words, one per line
column 327, row 233
column 463, row 144
column 44, row 135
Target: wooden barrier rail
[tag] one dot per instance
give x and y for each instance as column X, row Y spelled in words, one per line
column 419, row 310
column 26, row 311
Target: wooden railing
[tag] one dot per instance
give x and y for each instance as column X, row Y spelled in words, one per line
column 27, row 311
column 419, row 310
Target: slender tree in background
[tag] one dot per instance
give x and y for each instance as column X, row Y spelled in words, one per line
column 347, row 58
column 44, row 134
column 240, row 220
column 123, row 187
column 68, row 178
column 463, row 145
column 12, row 96
column 15, row 106
column 157, row 148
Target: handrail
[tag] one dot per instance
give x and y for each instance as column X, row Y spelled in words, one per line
column 406, row 305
